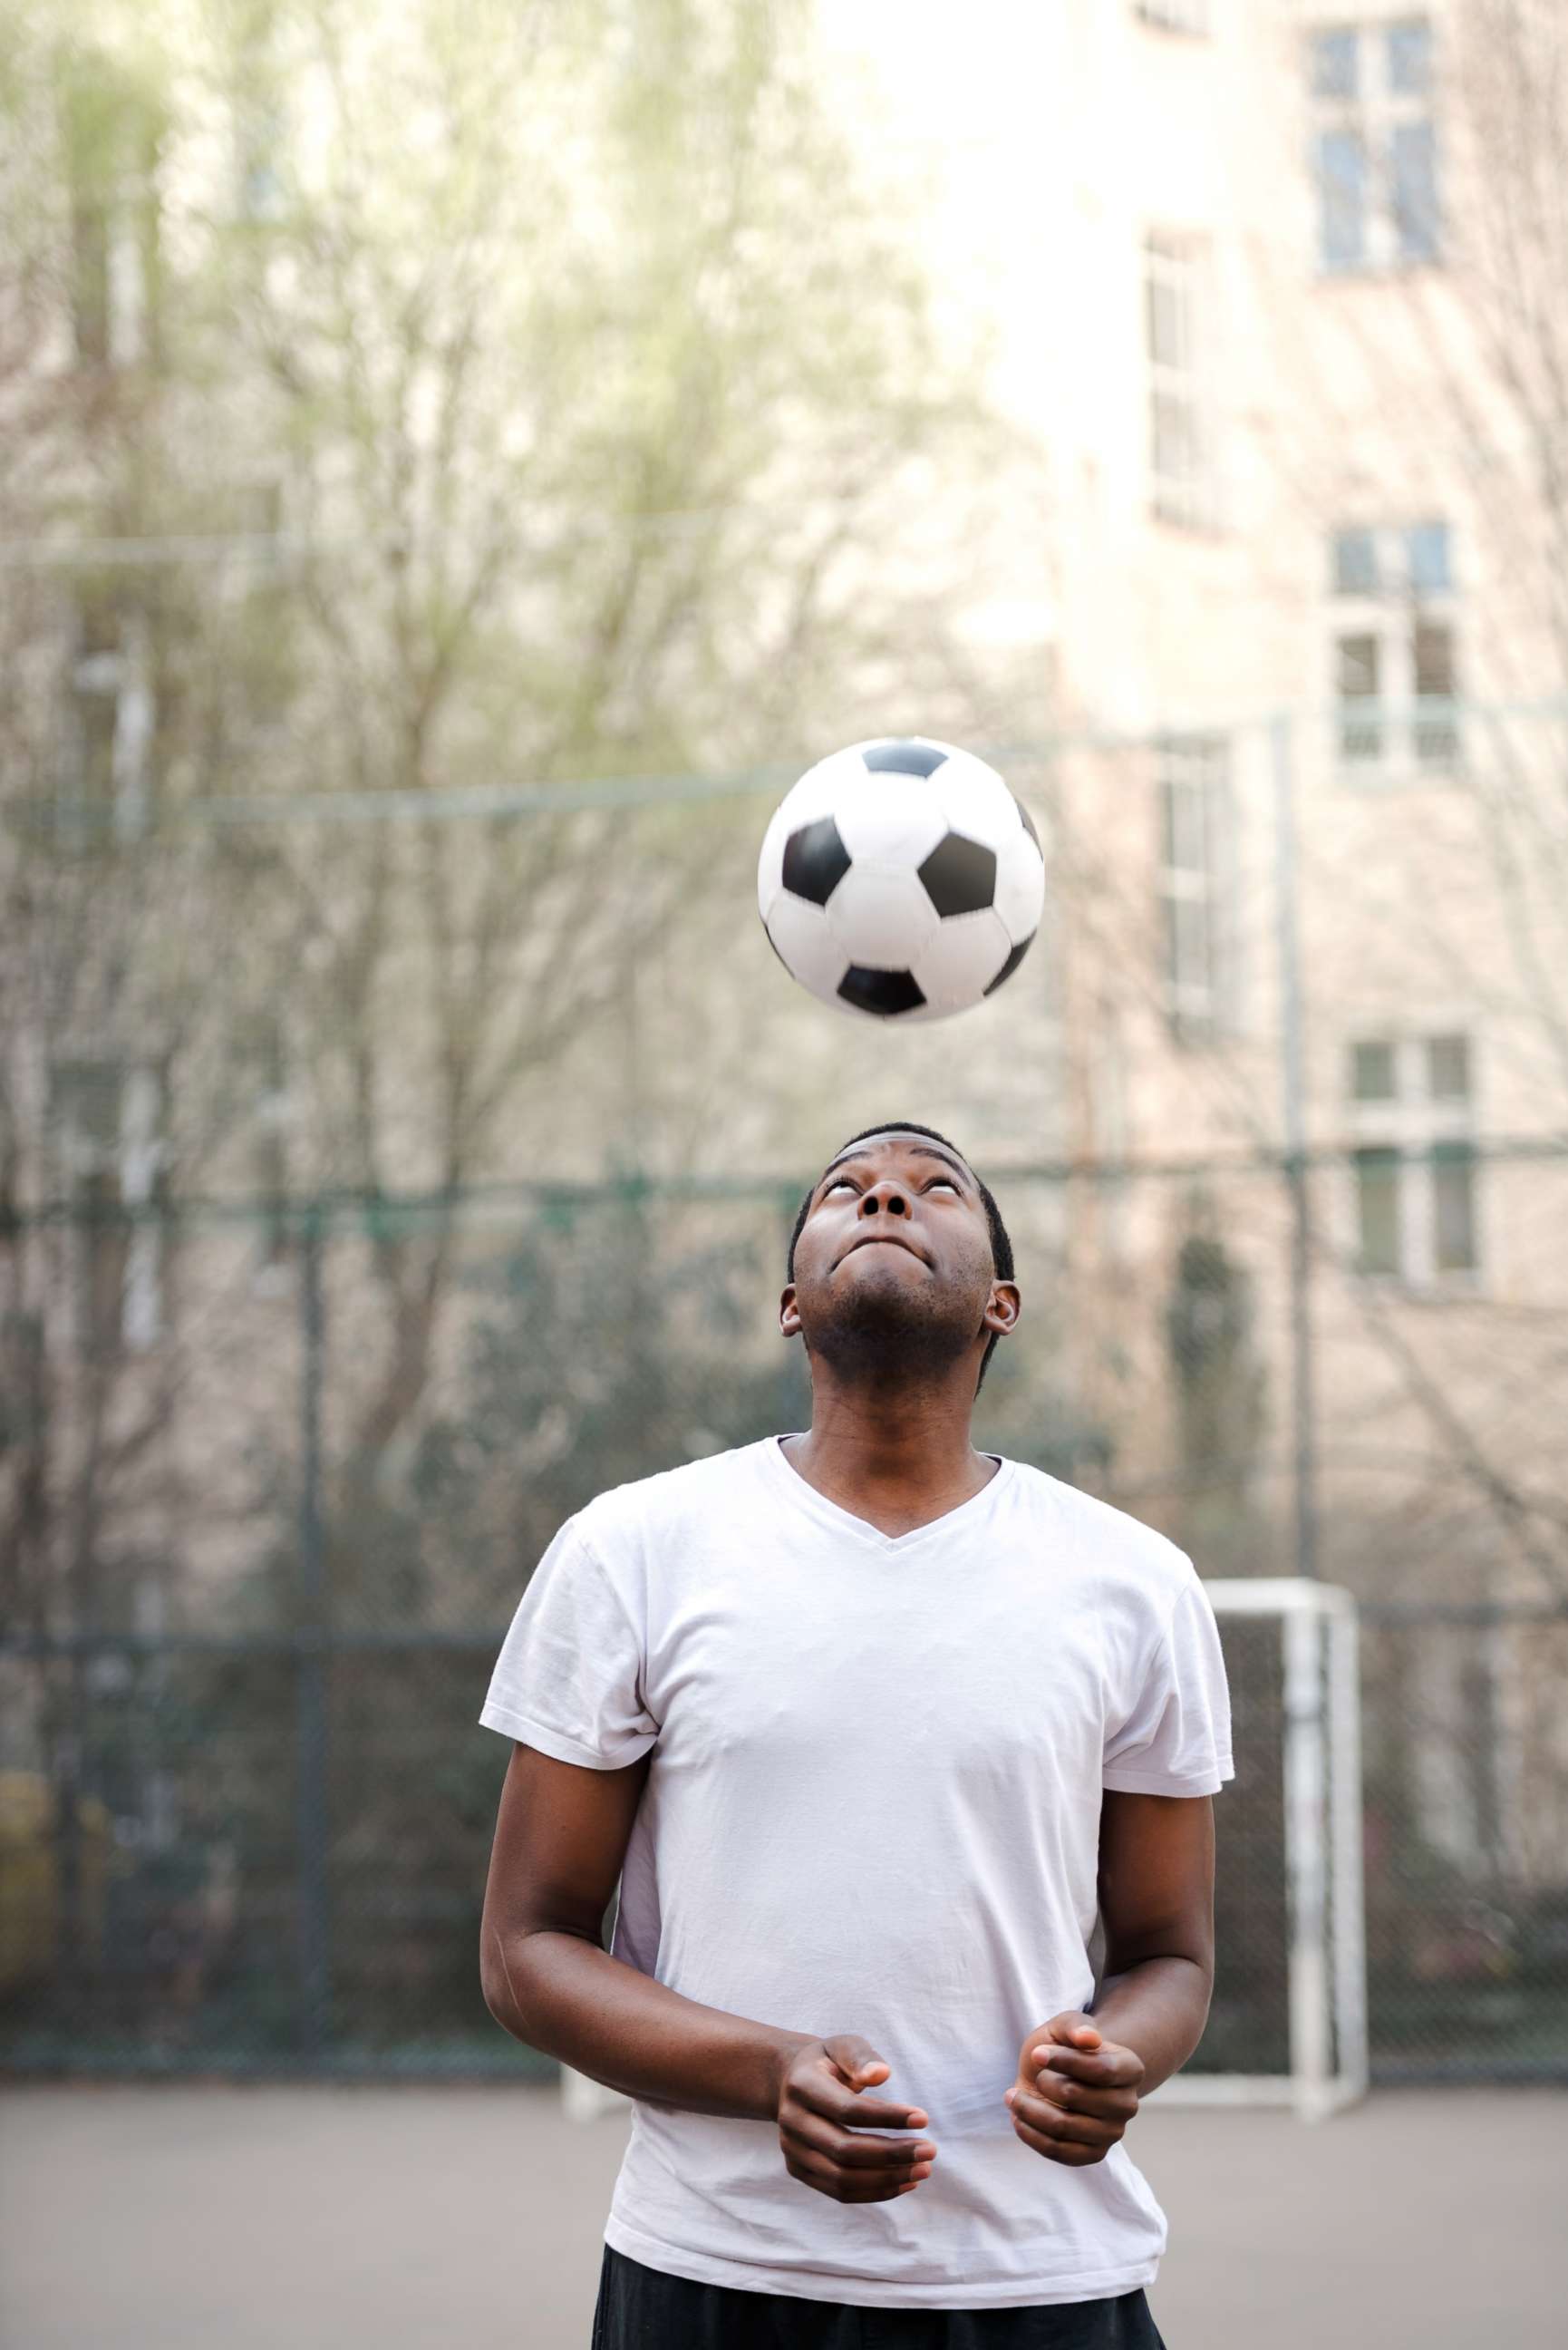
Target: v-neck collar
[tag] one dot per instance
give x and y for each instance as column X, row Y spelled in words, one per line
column 845, row 1522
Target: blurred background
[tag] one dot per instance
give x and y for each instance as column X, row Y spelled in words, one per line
column 459, row 465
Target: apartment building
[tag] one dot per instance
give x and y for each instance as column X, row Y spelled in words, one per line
column 1261, row 282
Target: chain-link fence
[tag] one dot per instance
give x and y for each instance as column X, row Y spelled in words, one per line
column 401, row 1114
column 246, row 1807
column 383, row 1174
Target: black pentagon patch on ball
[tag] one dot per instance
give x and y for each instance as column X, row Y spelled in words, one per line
column 1011, row 965
column 882, row 991
column 1028, row 824
column 814, row 861
column 894, row 758
column 960, row 876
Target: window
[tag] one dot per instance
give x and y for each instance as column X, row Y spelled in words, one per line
column 1372, row 1072
column 259, row 134
column 1359, row 680
column 1448, row 1068
column 1196, row 825
column 1453, row 1206
column 1175, row 305
column 106, row 779
column 90, row 279
column 1409, row 57
column 112, row 137
column 1432, row 654
column 1341, row 190
column 1176, row 15
column 1414, row 1163
column 1394, row 648
column 1374, row 146
column 1378, row 1209
column 107, row 1119
column 1355, row 563
column 1334, row 59
column 259, row 124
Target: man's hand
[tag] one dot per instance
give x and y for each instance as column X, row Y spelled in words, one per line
column 820, row 2111
column 1076, row 2091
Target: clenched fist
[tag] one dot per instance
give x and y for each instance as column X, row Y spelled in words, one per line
column 821, row 2111
column 1076, row 2091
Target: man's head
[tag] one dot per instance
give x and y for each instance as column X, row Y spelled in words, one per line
column 899, row 1264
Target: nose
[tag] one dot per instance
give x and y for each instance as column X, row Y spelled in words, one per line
column 888, row 1197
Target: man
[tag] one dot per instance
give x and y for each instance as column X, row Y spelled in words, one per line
column 866, row 1724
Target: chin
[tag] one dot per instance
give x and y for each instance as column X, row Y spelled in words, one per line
column 883, row 1324
column 882, row 1256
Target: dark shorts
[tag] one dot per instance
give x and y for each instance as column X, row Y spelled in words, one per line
column 643, row 2309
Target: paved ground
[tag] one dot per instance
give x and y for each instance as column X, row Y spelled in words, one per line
column 211, row 2218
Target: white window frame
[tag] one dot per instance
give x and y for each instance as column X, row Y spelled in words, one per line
column 1412, row 1123
column 1200, row 1002
column 1417, row 739
column 1178, row 266
column 1373, row 115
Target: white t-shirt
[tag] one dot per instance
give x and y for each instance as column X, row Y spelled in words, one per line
column 873, row 1806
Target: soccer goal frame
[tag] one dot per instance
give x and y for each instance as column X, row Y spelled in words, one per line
column 1326, row 1939
column 1324, row 1866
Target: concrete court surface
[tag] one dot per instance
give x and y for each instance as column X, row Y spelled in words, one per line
column 427, row 2219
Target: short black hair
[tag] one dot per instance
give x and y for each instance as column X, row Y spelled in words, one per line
column 1000, row 1245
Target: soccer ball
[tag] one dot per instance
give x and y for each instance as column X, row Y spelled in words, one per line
column 900, row 880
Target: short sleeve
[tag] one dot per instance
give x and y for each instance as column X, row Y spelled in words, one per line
column 1176, row 1738
column 569, row 1677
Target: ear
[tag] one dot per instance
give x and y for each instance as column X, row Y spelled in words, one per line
column 789, row 1313
column 1002, row 1308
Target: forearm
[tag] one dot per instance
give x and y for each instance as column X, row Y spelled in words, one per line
column 567, row 1996
column 1158, row 2008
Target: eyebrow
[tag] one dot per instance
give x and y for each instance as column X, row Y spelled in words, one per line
column 917, row 1150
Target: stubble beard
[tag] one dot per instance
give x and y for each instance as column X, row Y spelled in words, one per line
column 885, row 1334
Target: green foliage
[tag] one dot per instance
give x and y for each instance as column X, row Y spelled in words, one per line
column 607, row 1354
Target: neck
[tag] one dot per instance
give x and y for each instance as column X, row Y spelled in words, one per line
column 896, row 1459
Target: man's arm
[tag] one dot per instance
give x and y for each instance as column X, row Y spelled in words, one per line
column 1080, row 2078
column 560, row 1843
column 561, row 1837
column 1156, row 1900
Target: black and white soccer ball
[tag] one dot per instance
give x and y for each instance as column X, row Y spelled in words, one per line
column 900, row 880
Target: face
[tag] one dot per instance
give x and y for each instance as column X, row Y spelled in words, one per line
column 893, row 1270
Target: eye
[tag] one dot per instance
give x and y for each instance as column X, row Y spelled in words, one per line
column 838, row 1183
column 940, row 1178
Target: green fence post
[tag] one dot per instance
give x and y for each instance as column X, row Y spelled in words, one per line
column 312, row 1638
